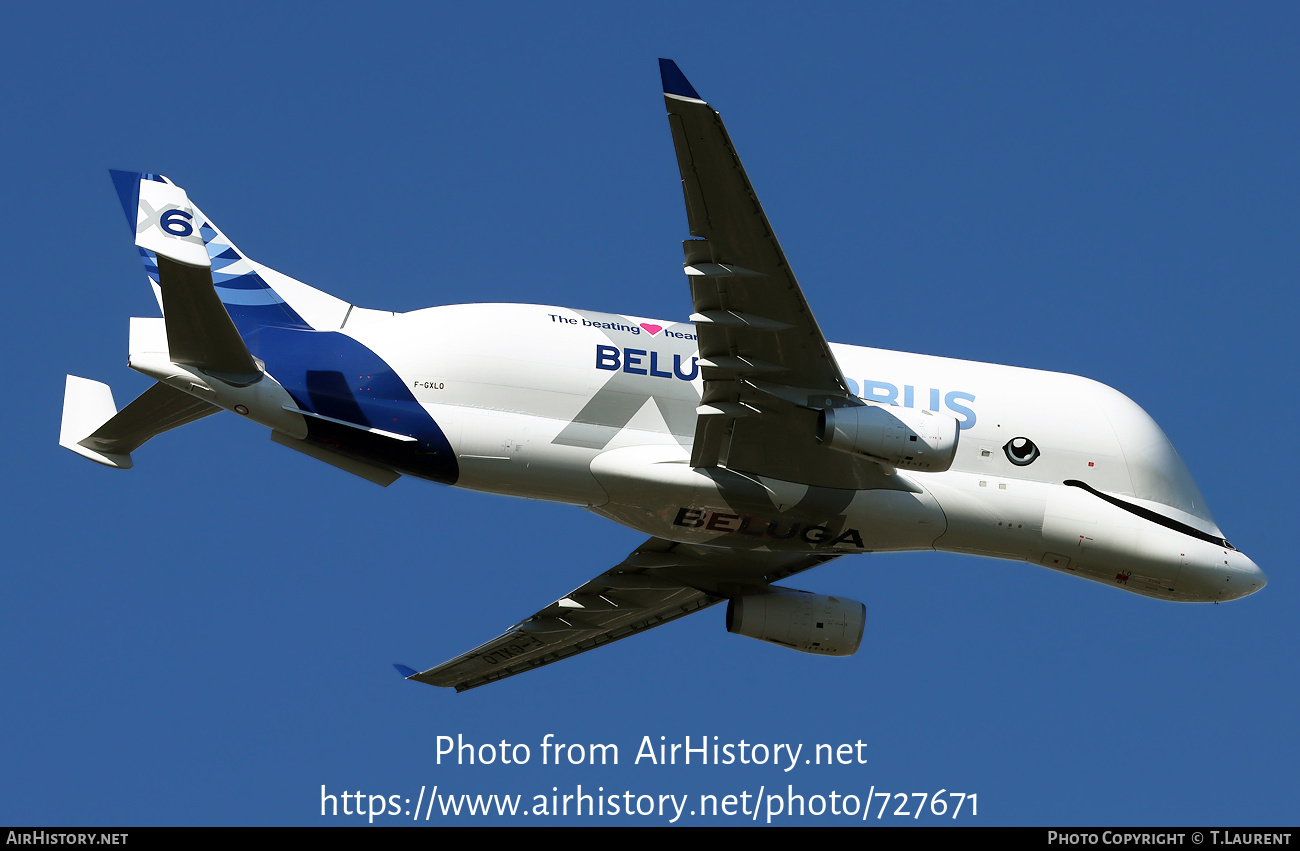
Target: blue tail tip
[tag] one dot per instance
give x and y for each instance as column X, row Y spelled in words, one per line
column 675, row 82
column 406, row 672
column 127, row 184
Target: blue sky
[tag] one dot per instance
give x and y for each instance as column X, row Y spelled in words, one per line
column 207, row 638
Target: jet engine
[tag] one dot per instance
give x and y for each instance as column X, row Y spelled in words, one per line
column 801, row 621
column 899, row 437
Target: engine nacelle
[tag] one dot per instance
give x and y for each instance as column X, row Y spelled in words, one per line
column 801, row 621
column 901, row 437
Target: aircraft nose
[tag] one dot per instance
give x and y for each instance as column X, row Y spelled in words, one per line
column 1247, row 573
column 1240, row 577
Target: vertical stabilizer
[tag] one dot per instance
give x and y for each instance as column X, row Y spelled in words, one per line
column 163, row 218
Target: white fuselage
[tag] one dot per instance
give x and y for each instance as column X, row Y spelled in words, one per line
column 600, row 410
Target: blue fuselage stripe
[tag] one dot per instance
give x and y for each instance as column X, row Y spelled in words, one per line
column 331, row 374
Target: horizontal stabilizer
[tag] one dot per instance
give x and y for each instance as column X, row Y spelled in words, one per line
column 200, row 333
column 94, row 428
column 169, row 231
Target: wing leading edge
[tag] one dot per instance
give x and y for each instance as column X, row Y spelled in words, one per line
column 659, row 582
column 767, row 368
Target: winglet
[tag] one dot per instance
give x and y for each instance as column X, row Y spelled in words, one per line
column 675, row 82
column 406, row 672
column 88, row 406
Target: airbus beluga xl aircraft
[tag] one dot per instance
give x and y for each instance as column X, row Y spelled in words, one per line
column 744, row 444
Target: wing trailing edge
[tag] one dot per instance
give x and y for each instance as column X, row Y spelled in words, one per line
column 768, row 370
column 659, row 582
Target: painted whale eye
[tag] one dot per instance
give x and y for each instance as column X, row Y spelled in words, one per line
column 1021, row 451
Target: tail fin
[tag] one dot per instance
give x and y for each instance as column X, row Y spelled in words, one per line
column 214, row 299
column 164, row 220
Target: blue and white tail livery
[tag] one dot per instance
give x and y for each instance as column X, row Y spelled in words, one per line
column 743, row 443
column 166, row 222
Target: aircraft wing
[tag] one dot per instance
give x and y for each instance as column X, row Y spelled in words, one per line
column 659, row 582
column 767, row 368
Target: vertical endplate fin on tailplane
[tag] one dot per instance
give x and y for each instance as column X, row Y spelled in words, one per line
column 94, row 428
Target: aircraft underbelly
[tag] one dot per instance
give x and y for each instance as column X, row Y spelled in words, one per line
column 655, row 490
column 1069, row 530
